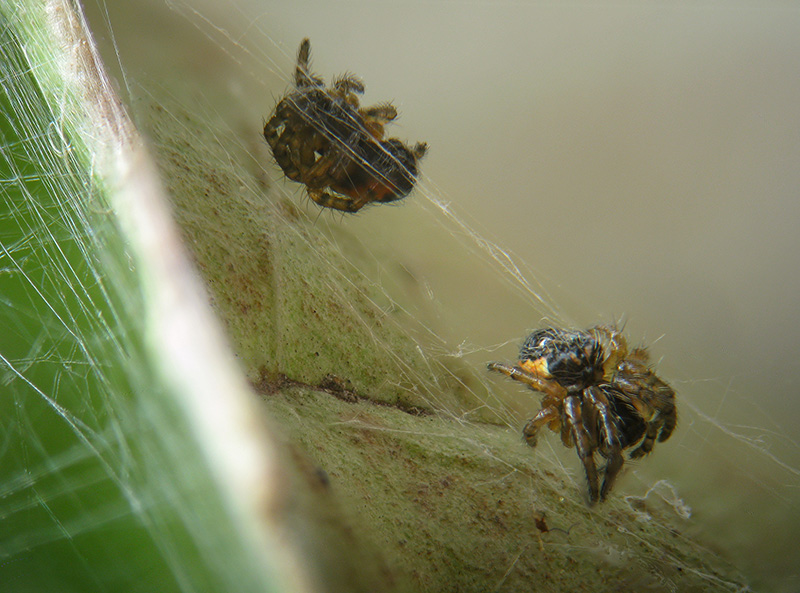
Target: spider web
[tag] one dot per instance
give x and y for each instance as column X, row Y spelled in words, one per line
column 576, row 177
column 85, row 455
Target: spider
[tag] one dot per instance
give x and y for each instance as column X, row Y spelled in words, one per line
column 321, row 138
column 600, row 396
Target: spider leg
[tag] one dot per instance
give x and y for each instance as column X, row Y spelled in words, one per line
column 545, row 416
column 324, row 170
column 302, row 75
column 349, row 83
column 284, row 117
column 420, row 149
column 566, row 434
column 670, row 420
column 611, row 446
column 328, row 200
column 376, row 117
column 550, row 388
column 572, row 413
column 590, row 421
column 271, row 129
column 649, row 440
column 614, row 464
column 293, row 143
column 384, row 113
column 608, row 428
column 294, row 154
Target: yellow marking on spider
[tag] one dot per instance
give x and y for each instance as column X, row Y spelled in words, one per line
column 536, row 367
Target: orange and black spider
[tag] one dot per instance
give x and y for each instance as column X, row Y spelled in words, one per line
column 601, row 397
column 321, row 138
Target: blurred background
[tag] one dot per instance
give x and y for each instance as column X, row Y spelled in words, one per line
column 589, row 163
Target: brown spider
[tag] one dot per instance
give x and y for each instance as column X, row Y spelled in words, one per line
column 601, row 397
column 321, row 138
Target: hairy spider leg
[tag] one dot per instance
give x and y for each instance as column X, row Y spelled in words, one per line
column 276, row 127
column 614, row 464
column 376, row 117
column 655, row 404
column 654, row 426
column 302, row 75
column 572, row 414
column 545, row 416
column 327, row 168
column 328, row 200
column 550, row 388
column 346, row 84
column 608, row 428
column 611, row 448
column 670, row 420
column 648, row 441
column 384, row 112
column 293, row 151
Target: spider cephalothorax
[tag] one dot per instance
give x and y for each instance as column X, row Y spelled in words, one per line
column 321, row 138
column 601, row 397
